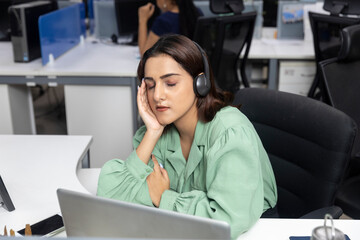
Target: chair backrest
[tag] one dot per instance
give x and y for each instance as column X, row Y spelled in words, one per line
column 326, row 38
column 308, row 143
column 235, row 34
column 342, row 80
column 206, row 35
column 326, row 32
column 227, row 41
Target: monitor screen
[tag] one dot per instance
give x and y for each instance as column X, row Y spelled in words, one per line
column 127, row 15
column 351, row 7
column 5, row 19
column 270, row 10
column 54, row 2
column 230, row 6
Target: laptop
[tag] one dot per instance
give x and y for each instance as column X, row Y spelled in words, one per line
column 86, row 215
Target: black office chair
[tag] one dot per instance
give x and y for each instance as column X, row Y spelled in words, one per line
column 326, row 38
column 227, row 41
column 206, row 35
column 309, row 145
column 342, row 82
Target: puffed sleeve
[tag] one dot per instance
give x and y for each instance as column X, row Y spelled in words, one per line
column 234, row 183
column 126, row 180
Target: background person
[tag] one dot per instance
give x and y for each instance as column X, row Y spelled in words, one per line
column 177, row 16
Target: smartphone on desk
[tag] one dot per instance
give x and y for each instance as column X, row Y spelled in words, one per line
column 47, row 227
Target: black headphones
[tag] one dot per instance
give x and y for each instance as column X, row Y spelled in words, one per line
column 202, row 83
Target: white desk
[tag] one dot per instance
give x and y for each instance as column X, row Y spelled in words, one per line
column 282, row 229
column 276, row 50
column 100, row 95
column 33, row 167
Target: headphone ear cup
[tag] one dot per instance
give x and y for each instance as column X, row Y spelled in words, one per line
column 201, row 85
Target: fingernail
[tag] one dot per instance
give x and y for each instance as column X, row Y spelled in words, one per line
column 161, row 165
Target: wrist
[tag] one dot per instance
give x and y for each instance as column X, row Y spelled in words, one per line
column 143, row 21
column 154, row 133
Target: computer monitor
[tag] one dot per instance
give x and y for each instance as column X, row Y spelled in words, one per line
column 5, row 19
column 54, row 2
column 127, row 17
column 348, row 7
column 270, row 10
column 230, row 6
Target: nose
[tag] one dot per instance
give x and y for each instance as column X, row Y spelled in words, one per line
column 159, row 94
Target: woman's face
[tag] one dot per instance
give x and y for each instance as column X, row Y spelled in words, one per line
column 160, row 4
column 169, row 90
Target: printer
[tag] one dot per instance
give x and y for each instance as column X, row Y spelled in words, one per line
column 25, row 30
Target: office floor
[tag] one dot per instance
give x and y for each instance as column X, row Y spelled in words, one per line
column 49, row 109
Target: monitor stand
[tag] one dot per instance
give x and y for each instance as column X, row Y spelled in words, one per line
column 131, row 40
column 5, row 200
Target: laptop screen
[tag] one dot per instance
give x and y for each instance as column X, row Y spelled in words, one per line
column 86, row 215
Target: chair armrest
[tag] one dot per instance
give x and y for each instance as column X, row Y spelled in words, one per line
column 334, row 211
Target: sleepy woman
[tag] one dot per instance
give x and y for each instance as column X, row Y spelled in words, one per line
column 195, row 154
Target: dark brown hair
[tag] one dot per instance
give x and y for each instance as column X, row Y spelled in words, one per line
column 185, row 52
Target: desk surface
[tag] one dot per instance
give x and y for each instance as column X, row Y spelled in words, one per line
column 87, row 59
column 33, row 167
column 98, row 59
column 281, row 49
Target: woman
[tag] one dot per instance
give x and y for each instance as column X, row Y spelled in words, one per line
column 195, row 154
column 178, row 16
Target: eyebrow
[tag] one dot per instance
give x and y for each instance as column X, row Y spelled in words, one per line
column 162, row 77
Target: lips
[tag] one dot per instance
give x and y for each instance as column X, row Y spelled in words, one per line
column 161, row 108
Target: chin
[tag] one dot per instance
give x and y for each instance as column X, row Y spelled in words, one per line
column 164, row 121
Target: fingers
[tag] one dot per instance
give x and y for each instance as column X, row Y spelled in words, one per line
column 152, row 9
column 164, row 173
column 156, row 164
column 141, row 96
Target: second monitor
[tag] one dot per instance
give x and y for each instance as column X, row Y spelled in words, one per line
column 127, row 17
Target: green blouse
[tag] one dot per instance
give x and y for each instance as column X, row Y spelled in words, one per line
column 228, row 175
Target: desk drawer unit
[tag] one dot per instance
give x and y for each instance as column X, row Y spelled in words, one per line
column 296, row 76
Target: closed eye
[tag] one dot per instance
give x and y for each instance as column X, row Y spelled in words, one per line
column 150, row 86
